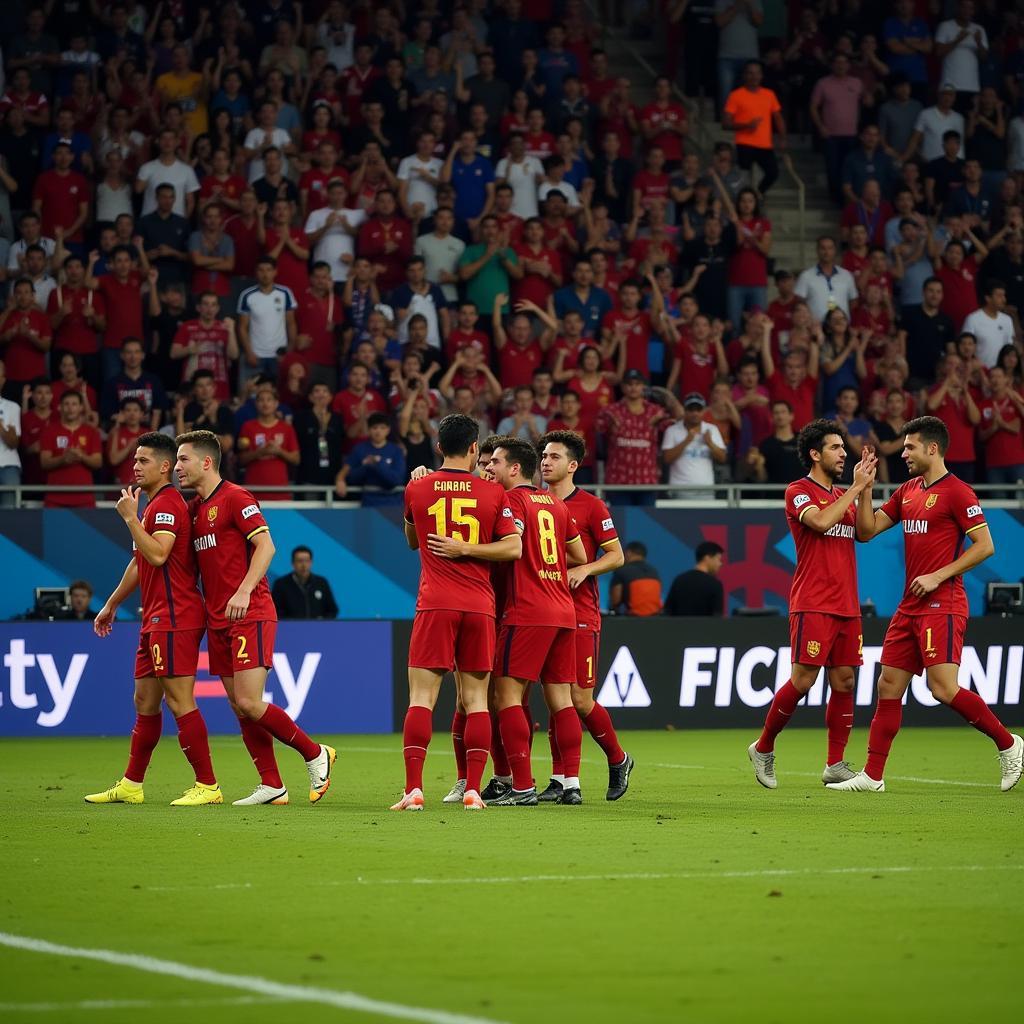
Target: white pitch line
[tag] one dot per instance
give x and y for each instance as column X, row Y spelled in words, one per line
column 136, row 1004
column 654, row 876
column 247, row 983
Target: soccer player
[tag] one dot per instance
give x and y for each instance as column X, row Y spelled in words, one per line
column 562, row 453
column 824, row 609
column 459, row 523
column 537, row 638
column 234, row 549
column 938, row 512
column 163, row 566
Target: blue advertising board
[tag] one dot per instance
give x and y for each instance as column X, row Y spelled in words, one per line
column 59, row 678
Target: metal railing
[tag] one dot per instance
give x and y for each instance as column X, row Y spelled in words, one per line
column 708, row 496
column 801, row 210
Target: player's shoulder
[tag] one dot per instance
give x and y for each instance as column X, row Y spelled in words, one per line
column 798, row 493
column 168, row 498
column 961, row 488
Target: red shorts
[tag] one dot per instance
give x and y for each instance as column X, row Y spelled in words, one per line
column 914, row 643
column 588, row 641
column 545, row 654
column 446, row 639
column 819, row 639
column 168, row 654
column 241, row 646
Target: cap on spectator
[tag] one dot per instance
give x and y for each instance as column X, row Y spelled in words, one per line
column 947, row 87
column 385, row 311
column 694, row 400
column 632, row 375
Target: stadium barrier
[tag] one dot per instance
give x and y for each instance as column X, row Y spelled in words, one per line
column 669, row 673
column 59, row 679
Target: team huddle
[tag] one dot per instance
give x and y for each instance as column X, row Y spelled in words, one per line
column 508, row 598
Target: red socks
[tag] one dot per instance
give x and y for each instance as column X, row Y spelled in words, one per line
column 970, row 706
column 498, row 756
column 416, row 735
column 260, row 745
column 599, row 725
column 783, row 706
column 276, row 721
column 839, row 722
column 145, row 737
column 195, row 745
column 569, row 736
column 884, row 726
column 459, row 743
column 556, row 754
column 515, row 737
column 474, row 750
column 528, row 715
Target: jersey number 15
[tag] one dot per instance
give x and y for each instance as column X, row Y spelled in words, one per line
column 456, row 515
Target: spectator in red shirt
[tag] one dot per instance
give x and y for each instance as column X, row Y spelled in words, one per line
column 871, row 210
column 35, row 106
column 386, row 240
column 469, row 371
column 748, row 265
column 207, row 343
column 542, row 267
column 650, row 185
column 699, row 359
column 663, row 123
column 122, row 291
column 952, row 401
column 519, row 353
column 465, row 333
column 70, row 451
column 313, row 183
column 796, row 382
column 959, row 276
column 220, row 186
column 244, row 229
column 128, row 428
column 212, row 254
column 69, row 378
column 318, row 320
column 1002, row 417
column 267, row 446
column 61, row 198
column 780, row 309
column 355, row 404
column 77, row 315
column 25, row 338
column 626, row 331
column 633, row 427
column 35, row 418
column 289, row 247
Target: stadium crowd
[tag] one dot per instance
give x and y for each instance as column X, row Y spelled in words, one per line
column 314, row 228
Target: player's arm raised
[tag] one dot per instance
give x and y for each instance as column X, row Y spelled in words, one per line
column 821, row 520
column 154, row 547
column 982, row 547
column 262, row 556
column 609, row 561
column 870, row 521
column 104, row 621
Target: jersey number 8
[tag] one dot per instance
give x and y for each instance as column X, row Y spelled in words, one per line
column 458, row 517
column 547, row 537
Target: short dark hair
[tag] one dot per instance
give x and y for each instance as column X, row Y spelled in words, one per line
column 707, row 549
column 637, row 547
column 205, row 442
column 930, row 429
column 375, row 419
column 570, row 439
column 812, row 437
column 522, row 454
column 131, row 400
column 161, row 444
column 81, row 585
column 492, row 443
column 456, row 433
column 991, row 285
column 300, row 549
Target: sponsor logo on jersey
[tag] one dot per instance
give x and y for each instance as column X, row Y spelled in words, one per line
column 813, row 648
column 507, row 513
column 211, row 514
column 915, row 525
column 973, row 510
column 165, row 519
column 250, row 510
column 929, row 502
column 623, row 687
column 844, row 530
column 205, row 542
column 800, row 500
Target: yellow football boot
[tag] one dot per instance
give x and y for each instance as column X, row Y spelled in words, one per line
column 198, row 795
column 122, row 792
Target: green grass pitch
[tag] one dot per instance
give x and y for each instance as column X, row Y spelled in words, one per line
column 698, row 898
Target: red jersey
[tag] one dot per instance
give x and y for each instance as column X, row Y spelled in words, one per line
column 748, row 266
column 801, row 397
column 516, row 363
column 512, row 224
column 936, row 520
column 534, row 287
column 32, row 427
column 388, row 243
column 212, row 342
column 248, row 248
column 459, row 339
column 651, row 187
column 664, row 119
column 222, row 527
column 953, row 412
column 272, row 472
column 825, row 578
column 345, row 405
column 697, row 369
column 124, row 473
column 456, row 503
column 170, row 592
column 1002, row 448
column 319, row 318
column 314, row 183
column 597, row 531
column 959, row 291
column 211, row 187
column 592, row 402
column 124, row 307
column 61, row 196
column 22, row 358
column 57, row 439
column 292, row 272
column 539, row 144
column 73, row 333
column 632, row 443
column 537, row 585
column 638, row 335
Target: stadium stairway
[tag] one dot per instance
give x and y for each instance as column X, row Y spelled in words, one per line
column 641, row 60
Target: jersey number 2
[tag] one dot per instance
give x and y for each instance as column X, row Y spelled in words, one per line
column 457, row 517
